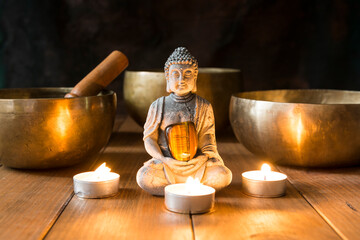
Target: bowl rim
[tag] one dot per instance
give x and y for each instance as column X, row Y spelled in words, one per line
column 237, row 97
column 202, row 70
column 103, row 93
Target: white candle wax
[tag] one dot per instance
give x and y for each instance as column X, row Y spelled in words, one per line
column 259, row 176
column 96, row 184
column 93, row 177
column 264, row 183
column 189, row 198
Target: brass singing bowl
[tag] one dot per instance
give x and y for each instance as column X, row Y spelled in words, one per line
column 307, row 128
column 216, row 85
column 41, row 129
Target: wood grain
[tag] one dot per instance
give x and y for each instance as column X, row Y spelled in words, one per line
column 30, row 201
column 334, row 193
column 133, row 213
column 324, row 204
column 238, row 216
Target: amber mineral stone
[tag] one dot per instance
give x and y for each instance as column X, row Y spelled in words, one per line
column 182, row 140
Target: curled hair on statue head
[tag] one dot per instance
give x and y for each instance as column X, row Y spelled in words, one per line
column 181, row 56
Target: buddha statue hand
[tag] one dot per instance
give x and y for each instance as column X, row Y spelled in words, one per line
column 177, row 166
column 196, row 163
column 185, row 168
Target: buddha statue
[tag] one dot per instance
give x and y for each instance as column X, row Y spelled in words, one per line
column 179, row 133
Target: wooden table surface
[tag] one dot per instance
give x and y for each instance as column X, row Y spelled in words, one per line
column 319, row 203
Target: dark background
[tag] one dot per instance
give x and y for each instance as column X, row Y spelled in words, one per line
column 276, row 43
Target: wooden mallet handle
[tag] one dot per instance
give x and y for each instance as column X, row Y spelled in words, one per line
column 101, row 76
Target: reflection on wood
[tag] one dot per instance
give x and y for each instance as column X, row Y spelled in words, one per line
column 34, row 204
column 238, row 216
column 133, row 213
column 334, row 193
column 30, row 201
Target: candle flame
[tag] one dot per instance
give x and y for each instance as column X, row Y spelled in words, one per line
column 193, row 185
column 265, row 170
column 191, row 180
column 102, row 170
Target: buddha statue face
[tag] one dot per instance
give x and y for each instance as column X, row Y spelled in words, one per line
column 181, row 79
column 181, row 70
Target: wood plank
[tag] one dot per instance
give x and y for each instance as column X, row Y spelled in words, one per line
column 133, row 213
column 31, row 201
column 334, row 193
column 238, row 216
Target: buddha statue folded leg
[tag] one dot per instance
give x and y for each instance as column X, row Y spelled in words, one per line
column 151, row 177
column 217, row 176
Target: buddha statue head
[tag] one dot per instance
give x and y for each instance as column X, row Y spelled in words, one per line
column 181, row 71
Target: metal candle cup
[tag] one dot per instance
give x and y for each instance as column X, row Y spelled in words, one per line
column 179, row 199
column 261, row 184
column 96, row 185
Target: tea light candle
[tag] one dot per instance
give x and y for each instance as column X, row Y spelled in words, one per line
column 264, row 183
column 96, row 184
column 190, row 197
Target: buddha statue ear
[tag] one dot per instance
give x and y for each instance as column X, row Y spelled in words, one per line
column 196, row 73
column 194, row 88
column 166, row 70
column 167, row 85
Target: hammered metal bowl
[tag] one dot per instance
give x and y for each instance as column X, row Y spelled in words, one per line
column 216, row 85
column 41, row 129
column 307, row 128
